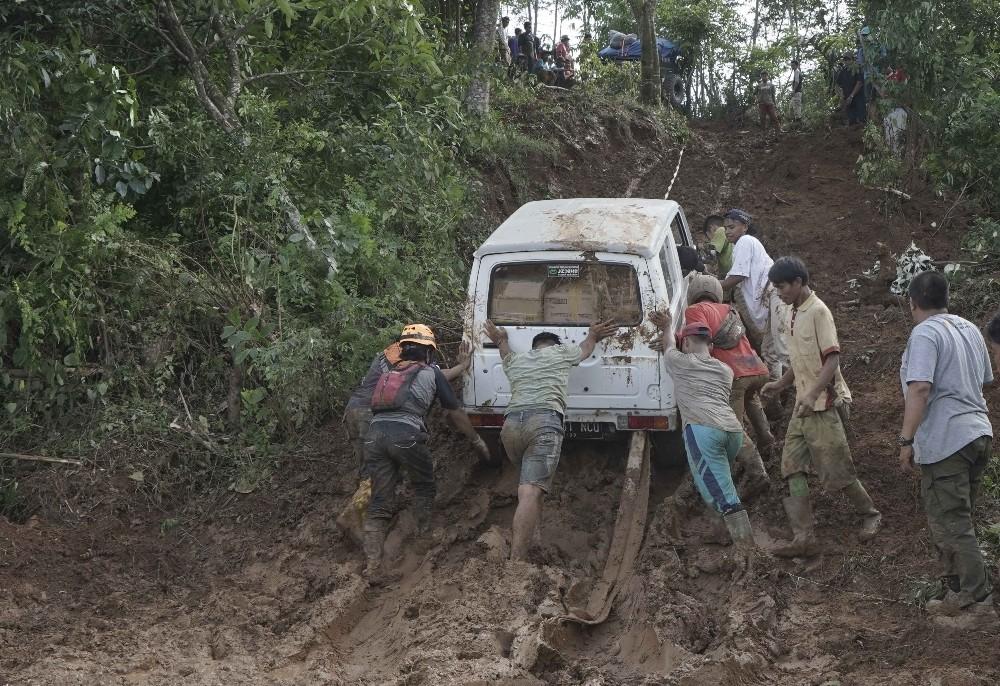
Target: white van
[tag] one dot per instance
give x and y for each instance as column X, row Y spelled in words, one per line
column 559, row 265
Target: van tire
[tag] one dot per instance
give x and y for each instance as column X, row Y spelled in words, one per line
column 673, row 90
column 668, row 449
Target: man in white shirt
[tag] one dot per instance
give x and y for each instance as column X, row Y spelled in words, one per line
column 759, row 302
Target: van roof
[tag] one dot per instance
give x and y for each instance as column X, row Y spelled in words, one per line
column 617, row 225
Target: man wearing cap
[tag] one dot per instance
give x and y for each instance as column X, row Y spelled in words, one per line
column 397, row 438
column 757, row 300
column 358, row 415
column 731, row 347
column 532, row 431
column 712, row 432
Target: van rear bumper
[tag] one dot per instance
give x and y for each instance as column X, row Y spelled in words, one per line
column 629, row 420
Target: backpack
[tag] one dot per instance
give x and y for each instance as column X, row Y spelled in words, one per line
column 393, row 387
column 730, row 331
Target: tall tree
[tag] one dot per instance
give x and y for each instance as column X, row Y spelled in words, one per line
column 484, row 50
column 645, row 15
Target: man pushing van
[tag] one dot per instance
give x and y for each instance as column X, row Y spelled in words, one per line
column 532, row 431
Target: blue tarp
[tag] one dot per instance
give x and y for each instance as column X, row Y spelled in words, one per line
column 634, row 52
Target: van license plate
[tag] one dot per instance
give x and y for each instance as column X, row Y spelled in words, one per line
column 577, row 430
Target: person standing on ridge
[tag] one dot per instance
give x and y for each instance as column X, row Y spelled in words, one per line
column 796, row 100
column 766, row 102
column 850, row 79
column 946, row 431
column 816, row 439
column 532, row 430
column 756, row 299
column 397, row 438
column 712, row 432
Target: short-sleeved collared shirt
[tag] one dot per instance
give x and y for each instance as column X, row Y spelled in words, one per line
column 812, row 337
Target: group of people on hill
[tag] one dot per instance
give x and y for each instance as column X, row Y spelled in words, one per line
column 748, row 337
column 858, row 89
column 523, row 53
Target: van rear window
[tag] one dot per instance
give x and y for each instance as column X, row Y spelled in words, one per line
column 564, row 293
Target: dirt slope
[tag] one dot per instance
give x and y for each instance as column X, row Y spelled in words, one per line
column 262, row 590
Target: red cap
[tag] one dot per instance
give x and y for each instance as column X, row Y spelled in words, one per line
column 696, row 329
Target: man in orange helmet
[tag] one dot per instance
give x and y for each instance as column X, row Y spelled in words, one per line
column 397, row 437
column 358, row 415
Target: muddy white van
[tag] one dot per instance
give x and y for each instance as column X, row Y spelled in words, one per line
column 559, row 265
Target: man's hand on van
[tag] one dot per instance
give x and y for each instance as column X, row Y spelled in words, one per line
column 662, row 320
column 597, row 332
column 498, row 335
column 602, row 330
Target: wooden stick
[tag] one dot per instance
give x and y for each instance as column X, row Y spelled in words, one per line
column 780, row 199
column 40, row 458
column 829, row 178
column 904, row 196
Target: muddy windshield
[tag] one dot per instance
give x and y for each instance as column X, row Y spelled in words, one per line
column 564, row 293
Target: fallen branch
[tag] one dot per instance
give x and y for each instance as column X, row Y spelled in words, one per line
column 904, row 196
column 40, row 458
column 829, row 178
column 780, row 199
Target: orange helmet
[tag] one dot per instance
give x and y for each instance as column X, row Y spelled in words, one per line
column 420, row 334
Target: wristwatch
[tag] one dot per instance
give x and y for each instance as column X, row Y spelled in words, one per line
column 903, row 441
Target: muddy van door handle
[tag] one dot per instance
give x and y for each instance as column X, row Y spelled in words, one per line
column 490, row 344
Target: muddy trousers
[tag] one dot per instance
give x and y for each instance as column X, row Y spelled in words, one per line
column 949, row 489
column 391, row 447
column 356, row 421
column 769, row 342
column 709, row 452
column 745, row 400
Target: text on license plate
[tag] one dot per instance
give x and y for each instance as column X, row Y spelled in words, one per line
column 589, row 429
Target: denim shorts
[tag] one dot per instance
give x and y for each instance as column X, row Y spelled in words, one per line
column 533, row 440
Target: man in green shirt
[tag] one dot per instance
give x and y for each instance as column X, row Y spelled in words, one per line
column 532, row 431
column 715, row 234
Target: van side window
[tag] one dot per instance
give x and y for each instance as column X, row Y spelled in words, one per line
column 564, row 294
column 677, row 228
column 668, row 276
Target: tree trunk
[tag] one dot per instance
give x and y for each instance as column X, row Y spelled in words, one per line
column 555, row 23
column 645, row 15
column 484, row 50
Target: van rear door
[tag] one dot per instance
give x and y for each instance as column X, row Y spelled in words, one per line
column 564, row 292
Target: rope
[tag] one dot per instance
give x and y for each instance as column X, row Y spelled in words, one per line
column 676, row 172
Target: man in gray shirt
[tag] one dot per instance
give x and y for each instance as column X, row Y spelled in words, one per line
column 947, row 433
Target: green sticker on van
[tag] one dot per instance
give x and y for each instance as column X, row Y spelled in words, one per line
column 564, row 271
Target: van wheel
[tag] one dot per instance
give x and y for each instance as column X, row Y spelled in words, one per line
column 668, row 449
column 493, row 442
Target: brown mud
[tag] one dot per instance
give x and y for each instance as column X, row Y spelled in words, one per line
column 262, row 589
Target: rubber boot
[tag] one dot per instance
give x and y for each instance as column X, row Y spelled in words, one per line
column 763, row 438
column 800, row 515
column 755, row 477
column 351, row 520
column 871, row 520
column 738, row 524
column 374, row 539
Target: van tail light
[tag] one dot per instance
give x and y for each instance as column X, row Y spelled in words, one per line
column 641, row 423
column 486, row 421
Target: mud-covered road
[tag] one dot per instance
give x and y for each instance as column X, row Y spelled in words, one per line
column 261, row 589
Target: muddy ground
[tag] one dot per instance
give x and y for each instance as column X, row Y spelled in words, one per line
column 262, row 589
